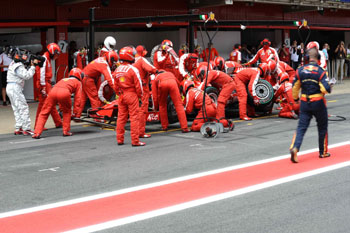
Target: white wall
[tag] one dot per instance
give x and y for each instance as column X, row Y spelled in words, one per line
column 223, row 41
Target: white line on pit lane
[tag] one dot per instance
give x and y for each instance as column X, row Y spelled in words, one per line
column 53, row 169
column 32, row 140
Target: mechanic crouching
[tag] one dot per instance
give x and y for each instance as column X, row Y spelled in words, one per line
column 61, row 94
column 194, row 100
column 16, row 75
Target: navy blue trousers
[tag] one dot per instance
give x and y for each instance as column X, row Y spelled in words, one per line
column 317, row 109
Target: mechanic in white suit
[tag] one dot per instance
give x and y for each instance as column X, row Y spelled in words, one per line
column 16, row 75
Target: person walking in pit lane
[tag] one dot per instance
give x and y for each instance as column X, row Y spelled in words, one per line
column 313, row 82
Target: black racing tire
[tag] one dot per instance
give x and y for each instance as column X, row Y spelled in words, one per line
column 172, row 115
column 213, row 93
column 265, row 93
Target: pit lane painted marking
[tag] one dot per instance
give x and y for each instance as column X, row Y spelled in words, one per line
column 53, row 169
column 107, row 210
column 332, row 101
column 31, row 140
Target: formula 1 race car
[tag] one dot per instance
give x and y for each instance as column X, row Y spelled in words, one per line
column 106, row 115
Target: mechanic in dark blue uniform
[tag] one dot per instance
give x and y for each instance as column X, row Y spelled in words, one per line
column 313, row 82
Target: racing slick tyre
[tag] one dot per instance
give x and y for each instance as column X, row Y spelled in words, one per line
column 213, row 93
column 154, row 50
column 265, row 93
column 172, row 115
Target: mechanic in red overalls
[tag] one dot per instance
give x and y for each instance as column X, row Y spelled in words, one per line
column 146, row 69
column 229, row 67
column 213, row 53
column 61, row 94
column 223, row 83
column 81, row 58
column 289, row 107
column 92, row 72
column 284, row 67
column 44, row 82
column 109, row 45
column 166, row 58
column 129, row 89
column 165, row 84
column 265, row 54
column 235, row 55
column 248, row 77
column 194, row 100
column 188, row 65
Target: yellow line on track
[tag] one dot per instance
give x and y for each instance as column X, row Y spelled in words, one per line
column 178, row 129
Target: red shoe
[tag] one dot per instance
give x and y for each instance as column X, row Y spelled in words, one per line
column 18, row 131
column 139, row 144
column 36, row 136
column 246, row 118
column 185, row 131
column 120, row 143
column 145, row 136
column 67, row 134
column 45, row 129
column 58, row 126
column 28, row 132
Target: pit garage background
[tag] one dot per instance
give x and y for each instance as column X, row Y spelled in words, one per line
column 45, row 21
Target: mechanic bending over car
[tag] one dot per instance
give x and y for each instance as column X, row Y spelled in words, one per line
column 222, row 82
column 165, row 84
column 61, row 94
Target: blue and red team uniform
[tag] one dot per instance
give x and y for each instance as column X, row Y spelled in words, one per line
column 313, row 81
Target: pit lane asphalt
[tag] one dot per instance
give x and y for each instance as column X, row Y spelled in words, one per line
column 90, row 162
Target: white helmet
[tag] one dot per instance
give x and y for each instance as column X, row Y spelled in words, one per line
column 110, row 43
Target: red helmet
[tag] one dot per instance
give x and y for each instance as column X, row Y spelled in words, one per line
column 201, row 71
column 141, row 50
column 219, row 63
column 127, row 54
column 111, row 58
column 265, row 42
column 53, row 49
column 167, row 43
column 186, row 84
column 313, row 44
column 76, row 73
column 283, row 77
column 272, row 66
column 264, row 68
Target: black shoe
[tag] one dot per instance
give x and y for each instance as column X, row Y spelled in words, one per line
column 4, row 103
column 293, row 155
column 325, row 155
